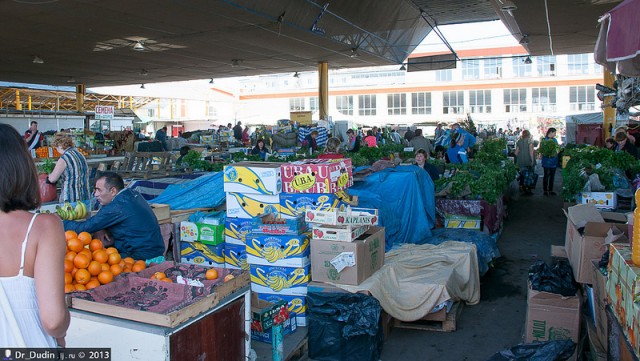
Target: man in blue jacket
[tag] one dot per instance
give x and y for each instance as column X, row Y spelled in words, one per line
column 126, row 216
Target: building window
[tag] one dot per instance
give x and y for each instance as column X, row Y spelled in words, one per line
column 470, row 69
column 397, row 104
column 515, row 100
column 420, row 103
column 453, row 102
column 444, row 75
column 582, row 98
column 578, row 64
column 367, row 104
column 520, row 68
column 296, row 104
column 546, row 65
column 492, row 68
column 480, row 101
column 544, row 99
column 151, row 113
column 344, row 104
column 314, row 104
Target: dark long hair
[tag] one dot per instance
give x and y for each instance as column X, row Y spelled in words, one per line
column 18, row 174
column 550, row 130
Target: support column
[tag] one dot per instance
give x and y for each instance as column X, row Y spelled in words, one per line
column 323, row 90
column 80, row 92
column 18, row 104
column 609, row 112
column 29, row 102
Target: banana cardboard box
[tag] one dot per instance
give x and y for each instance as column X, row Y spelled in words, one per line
column 253, row 178
column 286, row 251
column 317, row 176
column 601, row 200
column 202, row 254
column 296, row 304
column 350, row 217
column 201, row 232
column 299, row 202
column 269, row 224
column 236, row 230
column 235, row 256
column 242, row 205
column 278, row 280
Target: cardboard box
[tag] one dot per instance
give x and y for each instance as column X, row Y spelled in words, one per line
column 263, row 312
column 317, row 176
column 327, row 232
column 552, row 317
column 297, row 305
column 289, row 326
column 592, row 242
column 254, row 205
column 236, row 230
column 302, row 118
column 201, row 232
column 622, row 265
column 235, row 256
column 624, row 309
column 466, row 222
column 565, row 160
column 335, row 217
column 600, row 302
column 363, row 256
column 269, row 224
column 202, row 254
column 597, row 351
column 601, row 200
column 162, row 211
column 279, row 280
column 299, row 202
column 286, row 251
column 253, row 178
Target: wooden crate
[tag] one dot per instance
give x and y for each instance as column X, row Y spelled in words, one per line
column 438, row 321
column 162, row 211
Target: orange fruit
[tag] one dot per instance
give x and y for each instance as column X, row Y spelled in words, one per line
column 73, row 271
column 114, row 258
column 70, row 234
column 85, row 238
column 92, row 284
column 105, row 266
column 158, row 276
column 81, row 261
column 67, row 278
column 95, row 245
column 105, row 277
column 168, row 280
column 82, row 276
column 111, row 250
column 211, row 274
column 229, row 277
column 129, row 260
column 127, row 267
column 87, row 253
column 80, row 287
column 138, row 267
column 75, row 244
column 121, row 263
column 68, row 288
column 94, row 268
column 68, row 266
column 70, row 256
column 101, row 256
column 116, row 269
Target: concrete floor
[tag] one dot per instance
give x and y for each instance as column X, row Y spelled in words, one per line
column 534, row 223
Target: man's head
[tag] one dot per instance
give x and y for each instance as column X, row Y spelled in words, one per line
column 239, row 123
column 314, row 134
column 421, row 156
column 33, row 125
column 107, row 187
column 418, row 132
column 229, row 125
column 164, row 128
column 184, row 150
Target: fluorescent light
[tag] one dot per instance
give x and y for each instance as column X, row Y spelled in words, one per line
column 38, row 60
column 139, row 46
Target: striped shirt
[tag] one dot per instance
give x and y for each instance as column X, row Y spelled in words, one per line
column 75, row 178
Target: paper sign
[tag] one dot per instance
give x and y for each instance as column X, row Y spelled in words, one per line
column 343, row 260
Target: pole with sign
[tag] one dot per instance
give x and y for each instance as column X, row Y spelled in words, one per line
column 105, row 112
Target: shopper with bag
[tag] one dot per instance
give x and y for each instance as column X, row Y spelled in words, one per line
column 34, row 312
column 549, row 151
column 526, row 162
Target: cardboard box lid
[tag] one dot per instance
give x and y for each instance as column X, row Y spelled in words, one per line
column 582, row 214
column 541, row 298
column 255, row 164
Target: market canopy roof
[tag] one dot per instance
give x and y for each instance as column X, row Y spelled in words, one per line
column 117, row 42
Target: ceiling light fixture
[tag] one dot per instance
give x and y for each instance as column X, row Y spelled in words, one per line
column 524, row 40
column 142, row 86
column 296, row 75
column 144, row 72
column 71, row 80
column 403, row 67
column 38, row 60
column 139, row 46
column 354, row 53
column 528, row 60
column 507, row 5
column 211, row 81
column 235, row 62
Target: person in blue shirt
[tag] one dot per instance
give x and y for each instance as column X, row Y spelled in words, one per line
column 549, row 164
column 456, row 153
column 126, row 216
column 468, row 140
column 260, row 149
column 161, row 136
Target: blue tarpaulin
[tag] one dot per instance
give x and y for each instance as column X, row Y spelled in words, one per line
column 404, row 197
column 203, row 192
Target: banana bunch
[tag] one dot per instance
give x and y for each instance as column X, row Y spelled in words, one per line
column 277, row 283
column 272, row 253
column 69, row 213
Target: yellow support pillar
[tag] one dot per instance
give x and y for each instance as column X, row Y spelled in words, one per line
column 609, row 112
column 323, row 90
column 131, row 102
column 171, row 107
column 18, row 104
column 80, row 92
column 29, row 103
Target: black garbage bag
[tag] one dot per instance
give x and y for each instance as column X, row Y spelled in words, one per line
column 555, row 279
column 558, row 350
column 344, row 327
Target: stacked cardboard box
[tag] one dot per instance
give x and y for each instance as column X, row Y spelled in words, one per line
column 202, row 243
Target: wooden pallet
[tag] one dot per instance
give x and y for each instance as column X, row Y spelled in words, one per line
column 295, row 346
column 439, row 321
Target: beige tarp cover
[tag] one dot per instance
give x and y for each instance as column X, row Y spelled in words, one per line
column 416, row 278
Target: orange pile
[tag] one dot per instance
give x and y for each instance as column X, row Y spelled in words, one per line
column 88, row 264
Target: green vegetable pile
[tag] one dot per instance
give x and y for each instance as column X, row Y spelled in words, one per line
column 196, row 163
column 548, row 148
column 47, row 166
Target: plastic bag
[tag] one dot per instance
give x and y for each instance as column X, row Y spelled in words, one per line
column 593, row 184
column 555, row 279
column 542, row 351
column 344, row 326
